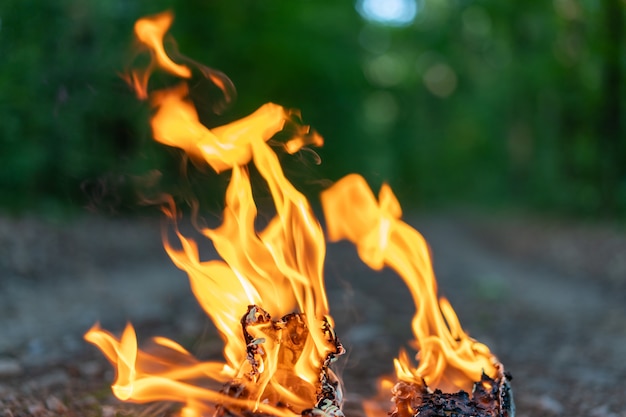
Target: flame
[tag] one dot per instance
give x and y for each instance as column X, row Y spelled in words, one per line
column 150, row 33
column 279, row 267
column 269, row 282
column 448, row 358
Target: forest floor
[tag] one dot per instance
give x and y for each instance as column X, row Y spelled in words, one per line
column 548, row 297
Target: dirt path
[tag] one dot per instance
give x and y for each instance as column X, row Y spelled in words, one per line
column 562, row 335
column 560, row 332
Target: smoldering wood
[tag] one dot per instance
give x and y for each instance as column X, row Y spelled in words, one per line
column 294, row 331
column 489, row 398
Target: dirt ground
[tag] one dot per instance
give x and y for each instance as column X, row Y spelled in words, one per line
column 548, row 297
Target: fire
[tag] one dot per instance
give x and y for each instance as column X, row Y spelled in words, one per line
column 448, row 358
column 266, row 294
column 278, row 268
column 150, row 33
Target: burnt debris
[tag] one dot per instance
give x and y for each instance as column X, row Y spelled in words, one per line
column 291, row 332
column 489, row 398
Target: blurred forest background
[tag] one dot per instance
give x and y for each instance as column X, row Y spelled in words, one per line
column 483, row 103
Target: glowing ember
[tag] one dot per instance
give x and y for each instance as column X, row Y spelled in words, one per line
column 266, row 295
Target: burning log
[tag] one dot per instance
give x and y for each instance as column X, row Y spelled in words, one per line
column 290, row 333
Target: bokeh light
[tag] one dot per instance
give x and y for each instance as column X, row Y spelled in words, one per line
column 440, row 79
column 386, row 70
column 389, row 12
column 380, row 110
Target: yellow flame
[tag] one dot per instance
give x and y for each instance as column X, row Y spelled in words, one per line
column 448, row 358
column 278, row 267
column 150, row 32
column 176, row 123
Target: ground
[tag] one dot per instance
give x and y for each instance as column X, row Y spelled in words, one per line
column 548, row 297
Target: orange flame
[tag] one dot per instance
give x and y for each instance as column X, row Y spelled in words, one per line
column 176, row 123
column 448, row 358
column 276, row 363
column 279, row 267
column 150, row 33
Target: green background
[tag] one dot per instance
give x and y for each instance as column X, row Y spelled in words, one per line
column 489, row 104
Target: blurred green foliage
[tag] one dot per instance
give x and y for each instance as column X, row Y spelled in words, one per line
column 479, row 102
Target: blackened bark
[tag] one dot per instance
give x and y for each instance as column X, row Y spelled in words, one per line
column 489, row 398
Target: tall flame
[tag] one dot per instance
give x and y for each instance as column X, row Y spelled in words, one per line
column 448, row 358
column 279, row 267
column 275, row 365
